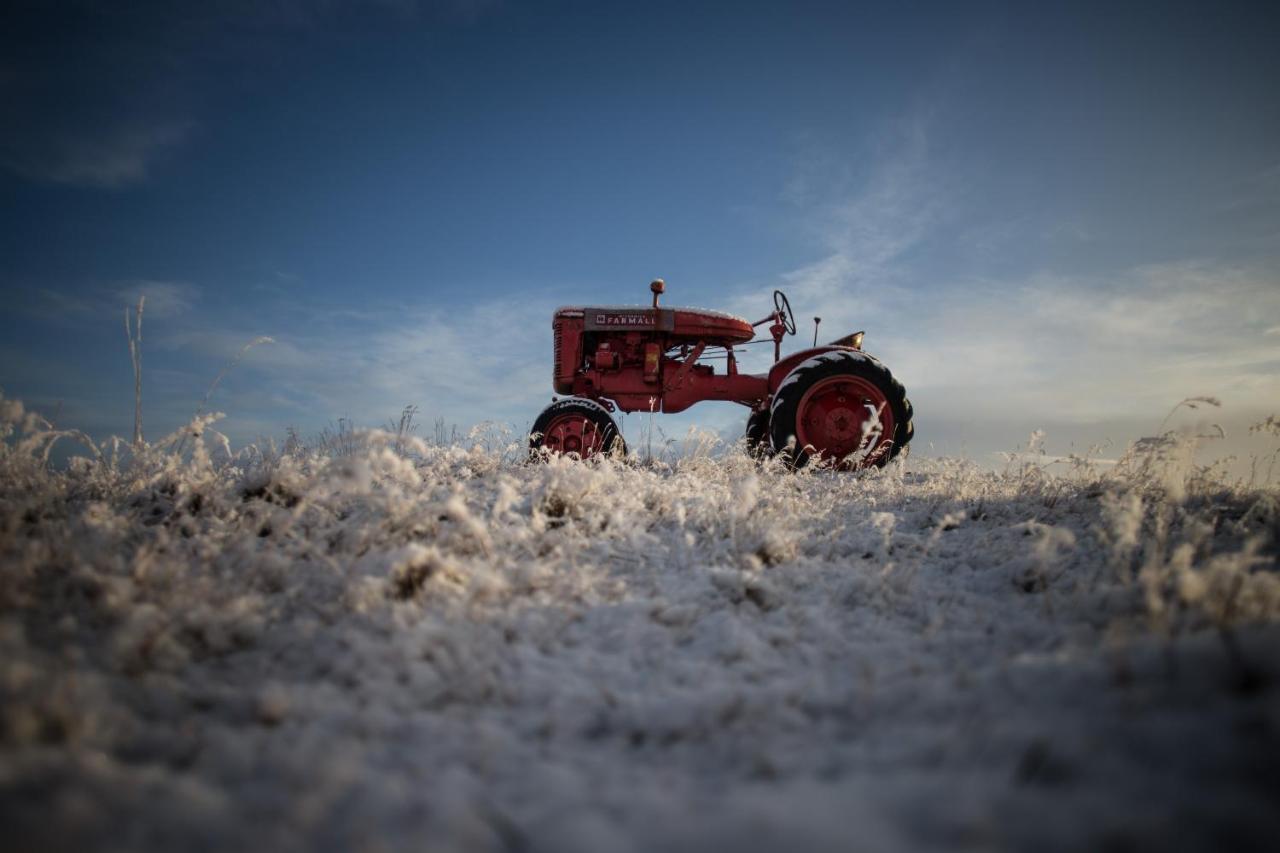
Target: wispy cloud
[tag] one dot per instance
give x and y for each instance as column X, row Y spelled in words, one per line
column 164, row 298
column 1050, row 345
column 488, row 361
column 866, row 227
column 108, row 157
column 92, row 304
column 125, row 87
column 296, row 14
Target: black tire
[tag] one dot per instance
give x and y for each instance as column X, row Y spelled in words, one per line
column 611, row 438
column 828, row 365
column 757, row 435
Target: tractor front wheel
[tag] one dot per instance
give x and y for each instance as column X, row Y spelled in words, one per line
column 575, row 426
column 841, row 406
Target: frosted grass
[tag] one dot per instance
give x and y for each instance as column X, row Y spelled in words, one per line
column 386, row 643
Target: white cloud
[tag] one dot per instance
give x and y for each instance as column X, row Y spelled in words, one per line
column 1085, row 349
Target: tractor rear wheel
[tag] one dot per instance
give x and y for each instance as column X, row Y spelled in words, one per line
column 758, row 435
column 575, row 426
column 841, row 406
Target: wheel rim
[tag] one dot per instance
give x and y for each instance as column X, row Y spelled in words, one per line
column 845, row 418
column 573, row 434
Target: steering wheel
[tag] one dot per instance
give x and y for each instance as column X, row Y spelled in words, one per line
column 783, row 307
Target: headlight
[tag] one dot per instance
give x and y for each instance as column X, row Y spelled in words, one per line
column 854, row 340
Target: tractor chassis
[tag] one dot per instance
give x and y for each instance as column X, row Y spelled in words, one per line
column 676, row 385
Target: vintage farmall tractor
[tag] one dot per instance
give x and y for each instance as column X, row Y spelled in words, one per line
column 831, row 402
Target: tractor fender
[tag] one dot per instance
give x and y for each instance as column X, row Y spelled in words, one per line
column 779, row 372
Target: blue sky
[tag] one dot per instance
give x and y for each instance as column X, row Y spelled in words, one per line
column 1046, row 216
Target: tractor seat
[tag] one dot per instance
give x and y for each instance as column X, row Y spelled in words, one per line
column 695, row 324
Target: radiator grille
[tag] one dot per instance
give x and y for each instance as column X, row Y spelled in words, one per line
column 557, row 333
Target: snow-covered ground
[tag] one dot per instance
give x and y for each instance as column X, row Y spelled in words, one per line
column 409, row 647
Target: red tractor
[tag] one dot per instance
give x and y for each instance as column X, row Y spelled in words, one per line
column 831, row 402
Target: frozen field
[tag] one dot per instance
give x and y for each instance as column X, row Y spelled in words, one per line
column 396, row 646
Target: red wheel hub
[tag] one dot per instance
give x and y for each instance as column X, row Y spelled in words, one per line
column 573, row 434
column 843, row 415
